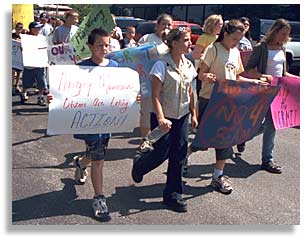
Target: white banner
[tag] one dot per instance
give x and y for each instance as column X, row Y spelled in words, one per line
column 91, row 100
column 34, row 50
column 62, row 54
column 17, row 61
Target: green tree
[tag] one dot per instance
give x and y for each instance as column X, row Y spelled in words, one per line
column 82, row 9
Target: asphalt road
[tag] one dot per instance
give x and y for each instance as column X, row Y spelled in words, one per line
column 44, row 193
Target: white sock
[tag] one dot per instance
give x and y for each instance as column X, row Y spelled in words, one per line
column 217, row 173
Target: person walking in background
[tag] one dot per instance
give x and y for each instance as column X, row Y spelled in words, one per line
column 212, row 28
column 129, row 41
column 16, row 72
column 162, row 28
column 268, row 60
column 65, row 32
column 245, row 45
column 33, row 75
column 172, row 99
column 222, row 60
column 246, row 42
column 47, row 28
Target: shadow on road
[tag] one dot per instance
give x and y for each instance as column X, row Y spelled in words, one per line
column 40, row 131
column 239, row 169
column 126, row 201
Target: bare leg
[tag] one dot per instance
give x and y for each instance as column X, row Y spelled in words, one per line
column 97, row 177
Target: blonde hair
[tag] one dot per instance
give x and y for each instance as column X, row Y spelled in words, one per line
column 210, row 22
column 275, row 27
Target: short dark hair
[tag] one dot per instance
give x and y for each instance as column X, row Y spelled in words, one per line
column 97, row 32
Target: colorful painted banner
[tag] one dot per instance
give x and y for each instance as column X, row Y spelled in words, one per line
column 140, row 59
column 285, row 108
column 234, row 113
column 34, row 50
column 17, row 61
column 99, row 17
column 91, row 100
column 62, row 54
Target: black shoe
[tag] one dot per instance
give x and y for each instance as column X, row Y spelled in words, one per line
column 240, row 147
column 41, row 101
column 136, row 176
column 185, row 168
column 271, row 167
column 176, row 202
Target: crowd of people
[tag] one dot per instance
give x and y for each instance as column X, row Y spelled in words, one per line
column 173, row 75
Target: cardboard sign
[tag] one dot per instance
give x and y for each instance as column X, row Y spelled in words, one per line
column 62, row 54
column 34, row 50
column 285, row 108
column 99, row 17
column 234, row 113
column 17, row 61
column 140, row 59
column 90, row 100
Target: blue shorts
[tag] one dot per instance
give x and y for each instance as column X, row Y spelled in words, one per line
column 31, row 75
column 96, row 150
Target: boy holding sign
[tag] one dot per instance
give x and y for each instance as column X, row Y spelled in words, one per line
column 96, row 144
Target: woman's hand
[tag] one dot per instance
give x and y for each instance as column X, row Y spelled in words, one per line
column 194, row 121
column 164, row 124
column 261, row 82
column 138, row 98
column 266, row 78
column 49, row 98
column 209, row 77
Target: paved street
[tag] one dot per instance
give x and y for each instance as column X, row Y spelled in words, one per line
column 43, row 190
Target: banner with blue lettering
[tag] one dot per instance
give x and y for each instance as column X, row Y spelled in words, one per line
column 140, row 59
column 234, row 113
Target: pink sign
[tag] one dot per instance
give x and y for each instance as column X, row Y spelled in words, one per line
column 285, row 108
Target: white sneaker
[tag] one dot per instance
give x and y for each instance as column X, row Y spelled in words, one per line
column 100, row 207
column 80, row 174
column 222, row 184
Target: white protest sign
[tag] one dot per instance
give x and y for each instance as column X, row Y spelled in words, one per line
column 88, row 100
column 62, row 54
column 34, row 50
column 17, row 61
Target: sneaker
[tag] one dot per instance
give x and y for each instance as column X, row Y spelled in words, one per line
column 41, row 101
column 176, row 202
column 271, row 167
column 100, row 208
column 136, row 176
column 241, row 147
column 222, row 184
column 80, row 174
column 23, row 97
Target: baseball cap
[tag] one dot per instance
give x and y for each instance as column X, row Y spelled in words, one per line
column 35, row 25
column 44, row 15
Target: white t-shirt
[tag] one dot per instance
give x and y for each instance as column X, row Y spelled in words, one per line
column 225, row 64
column 114, row 45
column 152, row 38
column 275, row 61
